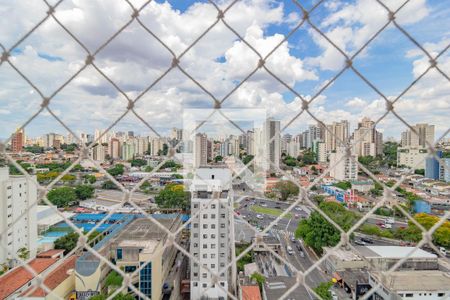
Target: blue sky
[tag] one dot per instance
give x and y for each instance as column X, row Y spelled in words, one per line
column 219, row 61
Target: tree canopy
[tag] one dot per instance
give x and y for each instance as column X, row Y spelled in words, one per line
column 286, row 189
column 173, row 196
column 84, row 191
column 62, row 196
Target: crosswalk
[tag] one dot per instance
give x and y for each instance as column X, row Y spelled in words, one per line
column 281, row 233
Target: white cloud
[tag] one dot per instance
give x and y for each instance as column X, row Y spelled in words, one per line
column 356, row 103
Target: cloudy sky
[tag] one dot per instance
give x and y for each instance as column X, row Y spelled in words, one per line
column 220, row 61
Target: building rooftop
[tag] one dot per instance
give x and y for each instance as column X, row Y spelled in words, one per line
column 19, row 276
column 52, row 253
column 275, row 287
column 54, row 278
column 393, row 252
column 343, row 254
column 250, row 292
column 415, row 280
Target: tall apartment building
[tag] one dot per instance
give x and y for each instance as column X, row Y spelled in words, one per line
column 17, row 194
column 200, row 150
column 17, row 141
column 367, row 140
column 337, row 132
column 424, row 133
column 320, row 150
column 212, row 232
column 272, row 131
column 444, row 172
column 346, row 167
column 176, row 134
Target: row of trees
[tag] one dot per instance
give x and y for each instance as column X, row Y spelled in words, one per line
column 173, row 196
column 64, row 196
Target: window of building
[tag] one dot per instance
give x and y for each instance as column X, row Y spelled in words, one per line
column 222, row 283
column 195, row 283
column 213, row 206
column 119, row 253
column 213, row 236
column 222, row 254
column 204, row 275
column 222, row 245
column 222, row 235
column 213, row 266
column 222, row 225
column 441, row 294
column 213, row 255
column 205, row 236
column 222, row 265
column 205, row 226
column 213, row 226
column 213, row 246
column 195, row 205
column 205, row 216
column 204, row 285
column 205, row 255
column 222, row 216
column 195, row 245
column 213, row 216
column 409, row 295
column 195, row 235
column 195, row 225
column 205, row 246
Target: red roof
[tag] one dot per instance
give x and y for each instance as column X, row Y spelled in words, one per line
column 50, row 253
column 55, row 277
column 251, row 292
column 18, row 277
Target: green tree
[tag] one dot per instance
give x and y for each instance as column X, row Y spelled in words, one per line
column 68, row 178
column 113, row 279
column 345, row 185
column 173, row 196
column 84, row 191
column 286, row 189
column 67, row 242
column 245, row 259
column 148, row 169
column 246, row 159
column 323, row 290
column 117, row 170
column 307, row 158
column 289, row 161
column 138, row 162
column 62, row 196
column 259, row 278
column 23, row 253
column 109, row 185
column 218, row 158
column 420, row 172
column 89, row 179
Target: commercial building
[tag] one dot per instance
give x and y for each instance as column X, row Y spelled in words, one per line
column 141, row 244
column 212, row 232
column 18, row 199
column 414, row 285
column 343, row 167
column 412, row 156
column 432, row 168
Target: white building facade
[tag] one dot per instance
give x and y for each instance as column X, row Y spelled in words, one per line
column 343, row 167
column 211, row 242
column 18, row 227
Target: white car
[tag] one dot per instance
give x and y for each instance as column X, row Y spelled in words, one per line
column 298, row 208
column 289, row 250
column 387, row 226
column 264, row 205
column 334, row 296
column 443, row 251
column 389, row 221
column 258, row 216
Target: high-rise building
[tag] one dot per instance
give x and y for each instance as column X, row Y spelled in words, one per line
column 17, row 141
column 176, row 134
column 17, row 225
column 200, row 150
column 343, row 167
column 336, row 134
column 212, row 240
column 321, row 152
column 432, row 167
column 444, row 172
column 114, row 148
column 272, row 141
column 367, row 141
column 423, row 133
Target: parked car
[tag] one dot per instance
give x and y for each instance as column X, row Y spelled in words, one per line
column 443, row 251
column 334, row 296
column 298, row 208
column 258, row 216
column 389, row 221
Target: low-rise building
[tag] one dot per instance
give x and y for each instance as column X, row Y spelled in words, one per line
column 414, row 285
